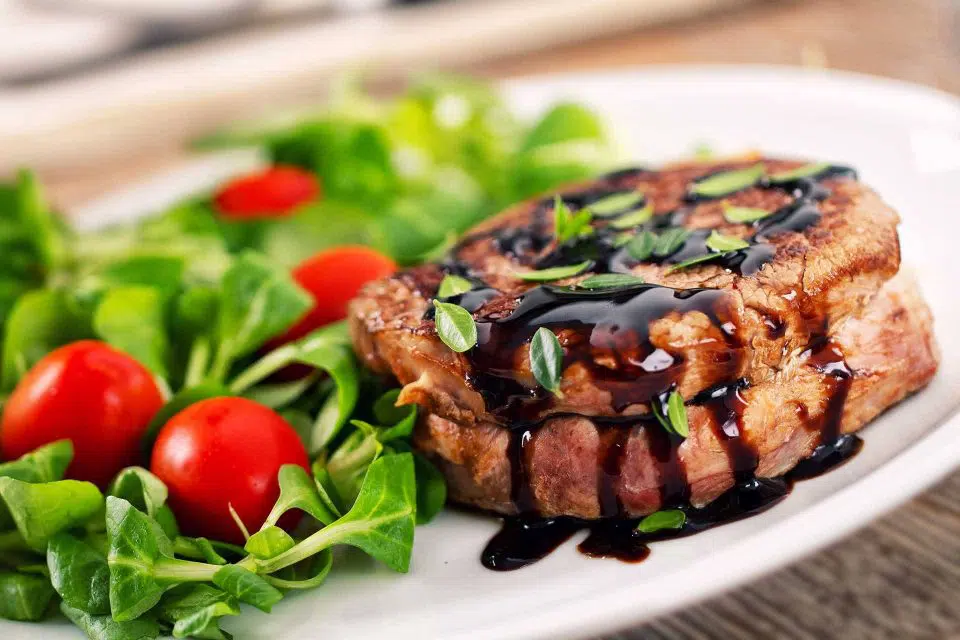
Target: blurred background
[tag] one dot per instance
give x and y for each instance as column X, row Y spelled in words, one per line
column 94, row 93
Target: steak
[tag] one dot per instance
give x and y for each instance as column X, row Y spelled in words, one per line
column 777, row 344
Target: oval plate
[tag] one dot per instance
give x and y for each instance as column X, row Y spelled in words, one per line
column 904, row 140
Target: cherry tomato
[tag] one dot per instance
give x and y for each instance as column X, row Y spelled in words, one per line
column 273, row 193
column 334, row 277
column 89, row 392
column 221, row 452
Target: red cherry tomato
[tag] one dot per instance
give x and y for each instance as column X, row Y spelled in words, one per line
column 221, row 452
column 89, row 392
column 273, row 193
column 334, row 277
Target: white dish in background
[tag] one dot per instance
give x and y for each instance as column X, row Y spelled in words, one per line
column 905, row 141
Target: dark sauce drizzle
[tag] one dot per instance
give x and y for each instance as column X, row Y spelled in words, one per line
column 607, row 331
column 613, row 326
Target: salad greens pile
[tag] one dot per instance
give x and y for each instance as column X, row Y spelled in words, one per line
column 409, row 174
column 199, row 300
column 121, row 570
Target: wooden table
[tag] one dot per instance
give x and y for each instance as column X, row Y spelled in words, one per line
column 900, row 578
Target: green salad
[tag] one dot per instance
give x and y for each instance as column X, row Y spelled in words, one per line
column 185, row 426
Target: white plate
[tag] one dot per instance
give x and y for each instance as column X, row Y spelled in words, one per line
column 905, row 141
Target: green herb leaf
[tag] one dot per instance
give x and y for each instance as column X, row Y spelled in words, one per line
column 257, row 302
column 247, row 587
column 40, row 322
column 633, row 218
column 195, row 609
column 306, row 574
column 380, row 523
column 323, row 351
column 136, row 544
column 401, row 420
column 554, row 273
column 568, row 225
column 327, row 489
column 455, row 326
column 546, row 360
column 677, row 414
column 106, row 628
column 727, row 182
column 132, row 319
column 23, row 597
column 452, row 285
column 616, row 203
column 703, row 151
column 140, row 488
column 689, row 262
column 41, row 510
column 670, row 241
column 676, row 419
column 723, row 244
column 79, row 573
column 282, row 394
column 298, row 491
column 163, row 273
column 269, row 542
column 641, row 246
column 743, row 214
column 660, row 520
column 568, row 144
column 805, row 171
column 431, row 489
column 348, row 465
column 201, row 549
column 142, row 563
column 610, row 281
column 46, row 464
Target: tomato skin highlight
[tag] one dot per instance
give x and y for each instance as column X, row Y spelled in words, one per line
column 221, row 452
column 273, row 193
column 333, row 278
column 87, row 391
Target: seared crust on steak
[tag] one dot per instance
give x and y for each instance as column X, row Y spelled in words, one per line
column 889, row 347
column 817, row 278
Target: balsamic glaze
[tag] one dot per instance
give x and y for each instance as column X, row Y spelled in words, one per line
column 827, row 358
column 810, row 187
column 727, row 405
column 606, row 331
column 524, row 540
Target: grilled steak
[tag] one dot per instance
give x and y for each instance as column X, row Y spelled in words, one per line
column 587, row 467
column 778, row 344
